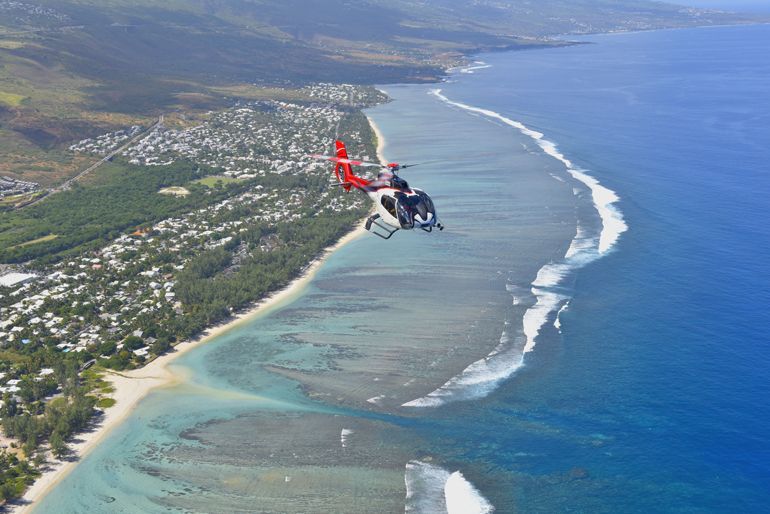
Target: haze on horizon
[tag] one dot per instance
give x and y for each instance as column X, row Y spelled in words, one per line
column 729, row 5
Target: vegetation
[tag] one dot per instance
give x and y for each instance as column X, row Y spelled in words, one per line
column 105, row 403
column 211, row 295
column 43, row 239
column 33, row 422
column 15, row 475
column 123, row 197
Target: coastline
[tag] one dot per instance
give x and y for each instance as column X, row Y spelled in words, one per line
column 132, row 386
column 380, row 138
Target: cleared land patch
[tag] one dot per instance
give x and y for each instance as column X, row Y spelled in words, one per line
column 11, row 45
column 174, row 191
column 20, row 199
column 49, row 237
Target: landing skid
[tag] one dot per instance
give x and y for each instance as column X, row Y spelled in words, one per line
column 430, row 228
column 383, row 230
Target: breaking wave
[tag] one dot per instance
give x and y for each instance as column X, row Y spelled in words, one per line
column 476, row 65
column 604, row 198
column 483, row 376
column 433, row 490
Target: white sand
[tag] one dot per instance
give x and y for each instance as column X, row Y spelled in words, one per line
column 380, row 140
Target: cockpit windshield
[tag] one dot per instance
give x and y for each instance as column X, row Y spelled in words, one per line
column 417, row 208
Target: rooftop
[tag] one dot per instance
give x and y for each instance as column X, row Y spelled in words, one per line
column 14, row 278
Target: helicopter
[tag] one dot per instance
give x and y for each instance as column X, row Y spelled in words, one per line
column 398, row 206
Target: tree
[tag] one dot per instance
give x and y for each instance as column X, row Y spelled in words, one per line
column 160, row 346
column 10, row 408
column 133, row 343
column 58, row 446
column 39, row 460
column 108, row 348
column 30, row 446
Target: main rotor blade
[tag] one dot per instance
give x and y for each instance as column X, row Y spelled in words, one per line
column 346, row 161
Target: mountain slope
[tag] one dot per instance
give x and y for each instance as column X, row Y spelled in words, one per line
column 73, row 68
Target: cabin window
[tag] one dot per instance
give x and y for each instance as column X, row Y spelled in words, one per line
column 390, row 205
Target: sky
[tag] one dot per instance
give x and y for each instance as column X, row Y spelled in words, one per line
column 729, row 5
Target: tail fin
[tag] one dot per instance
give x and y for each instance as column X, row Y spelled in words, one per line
column 343, row 170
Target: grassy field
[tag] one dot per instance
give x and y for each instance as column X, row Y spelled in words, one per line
column 213, row 180
column 11, row 99
column 10, row 201
column 44, row 109
column 49, row 237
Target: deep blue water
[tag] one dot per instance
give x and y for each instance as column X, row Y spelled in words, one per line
column 659, row 387
column 654, row 398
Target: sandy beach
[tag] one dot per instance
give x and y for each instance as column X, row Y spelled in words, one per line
column 380, row 140
column 132, row 386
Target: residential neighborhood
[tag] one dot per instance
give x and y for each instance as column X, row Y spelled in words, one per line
column 133, row 297
column 10, row 186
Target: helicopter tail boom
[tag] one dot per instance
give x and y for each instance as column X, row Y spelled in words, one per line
column 343, row 170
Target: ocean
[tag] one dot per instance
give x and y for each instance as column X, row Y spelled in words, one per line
column 588, row 334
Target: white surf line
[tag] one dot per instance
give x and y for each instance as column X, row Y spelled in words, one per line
column 344, row 435
column 483, row 376
column 470, row 68
column 479, row 379
column 604, row 198
column 477, row 65
column 432, row 490
column 557, row 321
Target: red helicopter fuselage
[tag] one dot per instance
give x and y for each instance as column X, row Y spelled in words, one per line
column 397, row 205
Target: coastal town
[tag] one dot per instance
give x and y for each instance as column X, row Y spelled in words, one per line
column 267, row 212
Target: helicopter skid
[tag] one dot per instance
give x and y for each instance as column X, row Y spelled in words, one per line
column 383, row 230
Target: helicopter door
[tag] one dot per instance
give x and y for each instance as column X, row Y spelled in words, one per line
column 390, row 205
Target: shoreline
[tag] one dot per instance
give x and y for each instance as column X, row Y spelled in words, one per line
column 132, row 386
column 379, row 136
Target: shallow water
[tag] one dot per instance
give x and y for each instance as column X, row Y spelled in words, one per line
column 651, row 399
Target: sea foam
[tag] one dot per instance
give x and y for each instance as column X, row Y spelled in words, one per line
column 483, row 376
column 344, row 435
column 470, row 68
column 477, row 65
column 431, row 489
column 480, row 378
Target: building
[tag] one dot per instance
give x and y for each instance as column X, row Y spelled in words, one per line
column 15, row 279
